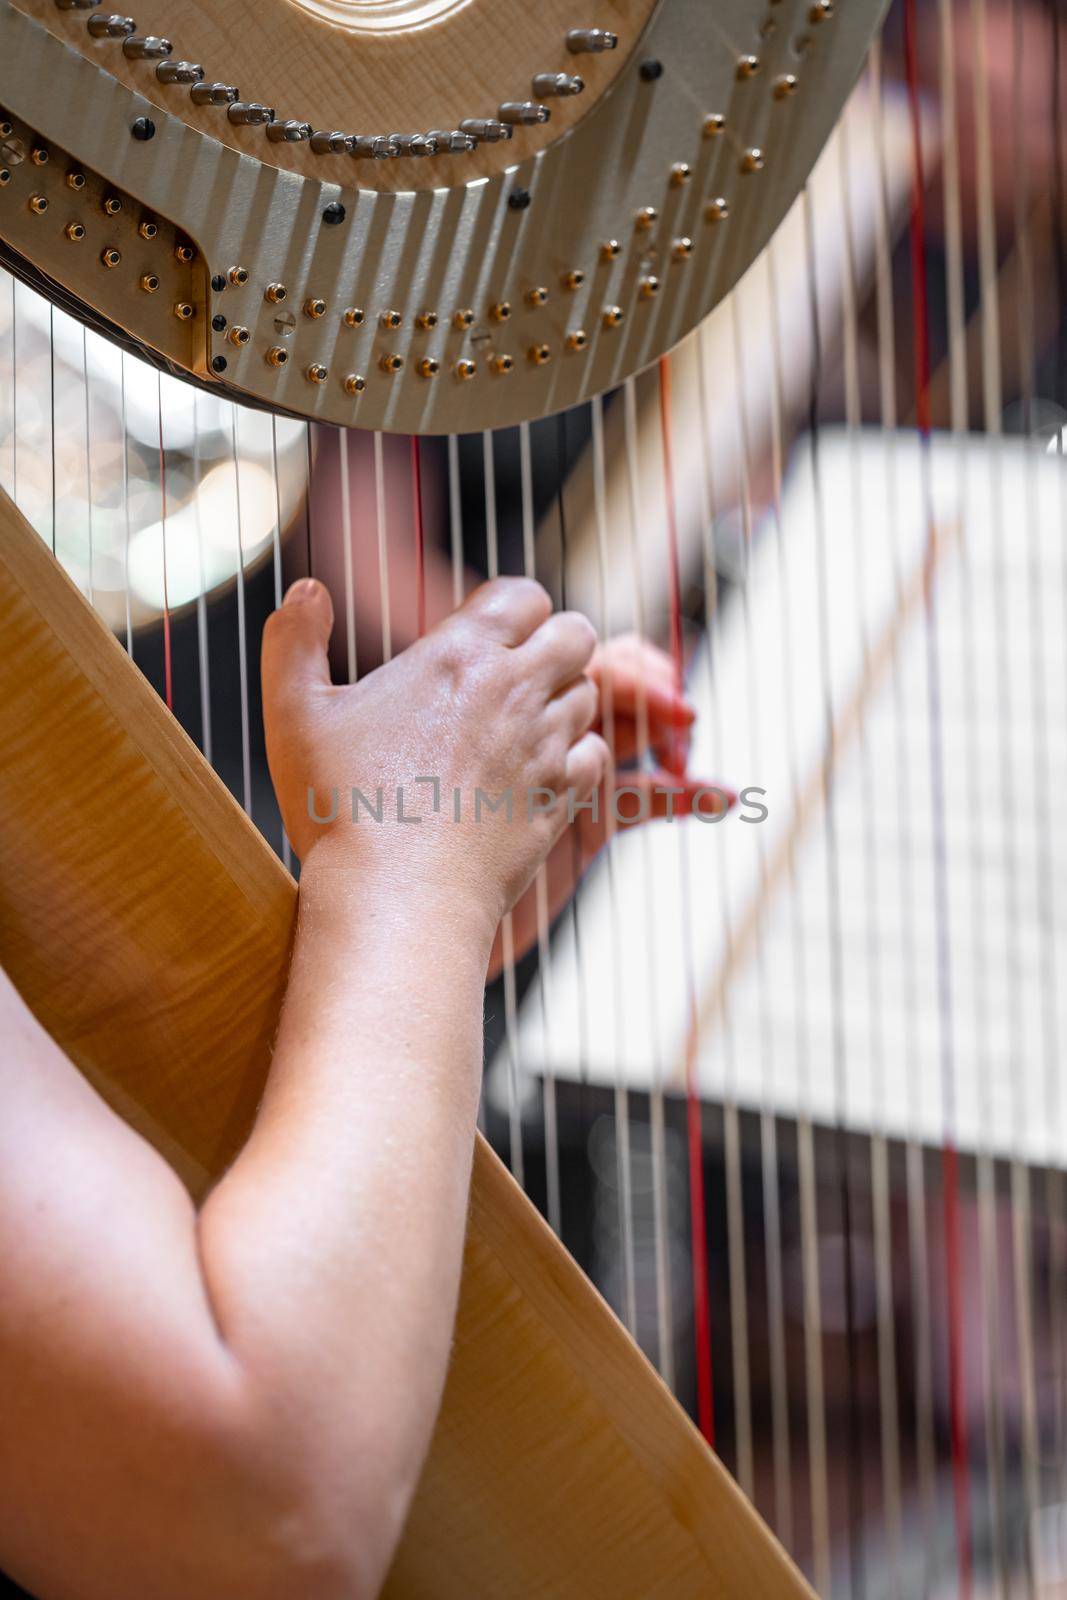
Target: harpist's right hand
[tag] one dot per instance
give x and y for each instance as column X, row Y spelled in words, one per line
column 494, row 702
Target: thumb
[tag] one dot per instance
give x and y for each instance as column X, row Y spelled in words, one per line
column 295, row 638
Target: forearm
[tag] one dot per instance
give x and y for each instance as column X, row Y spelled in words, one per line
column 332, row 1250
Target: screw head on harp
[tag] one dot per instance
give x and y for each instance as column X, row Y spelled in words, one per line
column 179, row 72
column 146, row 47
column 249, row 113
column 590, row 41
column 112, row 26
column 289, row 132
column 523, row 112
column 213, row 94
column 556, row 83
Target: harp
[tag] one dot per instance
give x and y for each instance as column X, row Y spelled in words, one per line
column 788, row 1091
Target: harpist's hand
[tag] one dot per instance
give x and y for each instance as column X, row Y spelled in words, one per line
column 642, row 711
column 494, row 701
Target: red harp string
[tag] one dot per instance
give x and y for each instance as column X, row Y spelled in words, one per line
column 949, row 1159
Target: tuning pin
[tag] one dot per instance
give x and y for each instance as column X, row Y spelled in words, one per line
column 414, row 144
column 289, row 132
column 179, row 72
column 485, row 130
column 329, row 144
column 590, row 41
column 213, row 94
column 556, row 83
column 523, row 112
column 375, row 147
column 452, row 141
column 249, row 113
column 146, row 47
column 112, row 26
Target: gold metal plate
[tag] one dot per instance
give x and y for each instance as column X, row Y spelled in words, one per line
column 693, row 148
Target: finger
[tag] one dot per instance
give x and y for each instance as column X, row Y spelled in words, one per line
column 664, row 706
column 650, row 796
column 560, row 650
column 295, row 638
column 507, row 609
column 575, row 708
column 587, row 762
column 637, row 659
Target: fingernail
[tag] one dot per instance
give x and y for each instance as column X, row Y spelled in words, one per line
column 303, row 589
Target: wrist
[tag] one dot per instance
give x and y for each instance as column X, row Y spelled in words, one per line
column 395, row 895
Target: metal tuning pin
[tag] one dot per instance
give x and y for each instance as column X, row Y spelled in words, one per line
column 371, row 146
column 557, row 83
column 523, row 112
column 179, row 72
column 213, row 94
column 590, row 41
column 485, row 130
column 329, row 144
column 249, row 114
column 111, row 26
column 288, row 132
column 146, row 47
column 451, row 141
column 414, row 144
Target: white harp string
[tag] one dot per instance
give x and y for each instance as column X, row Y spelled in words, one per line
column 623, row 1152
column 544, row 962
column 242, row 625
column 661, row 1221
column 383, row 549
column 507, row 927
column 889, row 1430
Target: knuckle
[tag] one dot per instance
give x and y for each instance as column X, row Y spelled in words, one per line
column 507, row 597
column 581, row 630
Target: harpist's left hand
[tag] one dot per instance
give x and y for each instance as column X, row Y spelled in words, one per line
column 644, row 717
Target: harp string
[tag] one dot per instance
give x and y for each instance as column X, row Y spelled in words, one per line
column 455, row 508
column 1019, row 1197
column 735, row 1218
column 507, row 927
column 344, row 471
column 279, row 582
column 168, row 678
column 665, row 1333
column 832, row 890
column 420, row 535
column 623, row 1151
column 383, row 549
column 548, row 1090
column 242, row 626
column 947, row 1066
column 203, row 649
column 694, row 1120
column 124, row 425
column 88, row 466
column 308, row 463
column 988, row 1200
column 914, row 1157
column 768, row 1119
column 879, row 1194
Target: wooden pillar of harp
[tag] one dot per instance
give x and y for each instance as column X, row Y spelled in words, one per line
column 148, row 925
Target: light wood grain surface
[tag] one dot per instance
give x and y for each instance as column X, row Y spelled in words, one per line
column 148, row 926
column 394, row 68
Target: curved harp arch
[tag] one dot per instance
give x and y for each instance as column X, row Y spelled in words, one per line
column 466, row 305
